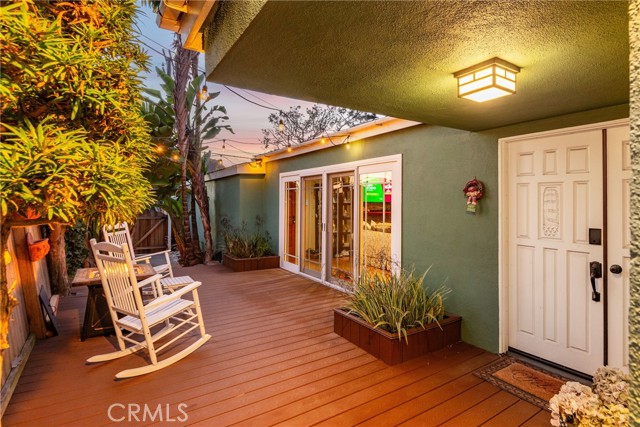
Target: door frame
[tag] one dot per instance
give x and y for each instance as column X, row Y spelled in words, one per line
column 503, row 225
column 394, row 160
column 284, row 264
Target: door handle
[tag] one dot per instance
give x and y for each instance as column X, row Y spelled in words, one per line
column 595, row 269
column 615, row 269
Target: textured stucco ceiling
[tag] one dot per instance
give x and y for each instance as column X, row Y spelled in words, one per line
column 398, row 58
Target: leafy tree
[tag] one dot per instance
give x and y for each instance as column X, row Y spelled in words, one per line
column 313, row 123
column 73, row 143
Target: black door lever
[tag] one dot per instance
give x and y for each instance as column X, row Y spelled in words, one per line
column 596, row 273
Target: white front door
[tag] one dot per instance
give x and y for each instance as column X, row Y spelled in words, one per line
column 555, row 197
column 619, row 238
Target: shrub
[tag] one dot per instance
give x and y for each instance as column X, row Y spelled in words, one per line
column 242, row 243
column 397, row 302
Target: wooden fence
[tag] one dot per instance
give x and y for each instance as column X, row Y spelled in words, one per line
column 150, row 233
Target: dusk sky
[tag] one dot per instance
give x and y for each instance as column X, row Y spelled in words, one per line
column 246, row 119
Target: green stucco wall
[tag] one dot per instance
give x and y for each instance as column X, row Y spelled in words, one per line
column 634, row 315
column 240, row 198
column 461, row 249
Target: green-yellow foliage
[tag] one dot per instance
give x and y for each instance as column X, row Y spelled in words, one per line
column 397, row 302
column 72, row 141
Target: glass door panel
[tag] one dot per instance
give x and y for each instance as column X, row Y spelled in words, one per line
column 291, row 222
column 341, row 265
column 312, row 226
column 375, row 214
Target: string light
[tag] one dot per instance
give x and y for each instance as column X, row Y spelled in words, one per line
column 281, row 125
column 348, row 145
column 160, row 149
column 323, row 141
column 204, row 93
column 175, row 157
column 223, row 146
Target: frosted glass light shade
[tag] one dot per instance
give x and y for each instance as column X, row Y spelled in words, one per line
column 489, row 80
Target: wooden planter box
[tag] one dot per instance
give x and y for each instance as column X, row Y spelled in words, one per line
column 387, row 347
column 248, row 264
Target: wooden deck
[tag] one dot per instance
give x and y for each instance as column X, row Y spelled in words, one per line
column 273, row 360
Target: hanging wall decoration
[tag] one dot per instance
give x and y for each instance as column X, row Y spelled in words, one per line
column 38, row 249
column 473, row 190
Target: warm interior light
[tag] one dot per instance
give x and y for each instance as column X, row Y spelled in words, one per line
column 489, row 80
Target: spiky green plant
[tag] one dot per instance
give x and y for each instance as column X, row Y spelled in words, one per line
column 397, row 302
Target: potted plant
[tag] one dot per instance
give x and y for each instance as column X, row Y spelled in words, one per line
column 395, row 318
column 246, row 250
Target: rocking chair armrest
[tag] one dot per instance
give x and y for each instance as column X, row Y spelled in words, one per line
column 146, row 258
column 166, row 252
column 149, row 280
column 163, row 299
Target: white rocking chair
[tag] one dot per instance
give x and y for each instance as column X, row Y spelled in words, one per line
column 119, row 234
column 133, row 321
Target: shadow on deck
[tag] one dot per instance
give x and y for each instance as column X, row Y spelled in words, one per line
column 273, row 359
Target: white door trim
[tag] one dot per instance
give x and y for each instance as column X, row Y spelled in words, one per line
column 503, row 229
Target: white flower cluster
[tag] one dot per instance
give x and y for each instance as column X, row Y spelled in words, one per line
column 605, row 405
column 611, row 385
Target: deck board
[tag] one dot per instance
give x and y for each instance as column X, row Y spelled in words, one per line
column 273, row 360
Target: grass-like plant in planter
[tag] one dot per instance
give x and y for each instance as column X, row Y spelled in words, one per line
column 394, row 317
column 247, row 250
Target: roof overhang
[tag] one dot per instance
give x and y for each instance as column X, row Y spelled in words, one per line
column 356, row 133
column 185, row 17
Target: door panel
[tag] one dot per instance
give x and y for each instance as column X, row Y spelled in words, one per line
column 341, row 213
column 377, row 222
column 291, row 225
column 554, row 197
column 312, row 226
column 619, row 238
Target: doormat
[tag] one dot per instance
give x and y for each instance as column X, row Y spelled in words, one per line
column 523, row 380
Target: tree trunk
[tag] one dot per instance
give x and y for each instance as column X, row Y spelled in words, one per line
column 198, row 188
column 181, row 76
column 58, row 260
column 200, row 191
column 195, row 238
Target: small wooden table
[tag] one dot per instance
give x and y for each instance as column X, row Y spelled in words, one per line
column 97, row 320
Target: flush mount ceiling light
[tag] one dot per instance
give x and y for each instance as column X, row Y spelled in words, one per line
column 489, row 80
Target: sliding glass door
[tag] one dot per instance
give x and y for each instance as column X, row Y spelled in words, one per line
column 342, row 221
column 291, row 258
column 340, row 269
column 376, row 214
column 312, row 226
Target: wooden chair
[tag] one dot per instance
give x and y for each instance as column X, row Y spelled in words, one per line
column 119, row 235
column 166, row 317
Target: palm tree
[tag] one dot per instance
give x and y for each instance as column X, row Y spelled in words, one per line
column 200, row 121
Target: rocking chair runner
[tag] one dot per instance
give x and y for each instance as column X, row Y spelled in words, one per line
column 133, row 321
column 119, row 234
